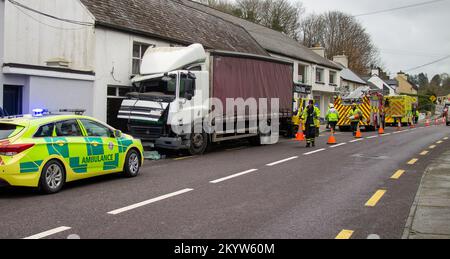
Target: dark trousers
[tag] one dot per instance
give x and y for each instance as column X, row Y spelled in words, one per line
column 354, row 127
column 333, row 125
column 310, row 134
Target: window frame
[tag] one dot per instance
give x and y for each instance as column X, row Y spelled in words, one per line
column 111, row 130
column 333, row 74
column 322, row 77
column 141, row 54
column 43, row 125
column 78, row 124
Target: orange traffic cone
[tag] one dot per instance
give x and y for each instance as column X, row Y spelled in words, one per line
column 300, row 135
column 358, row 133
column 332, row 139
column 381, row 131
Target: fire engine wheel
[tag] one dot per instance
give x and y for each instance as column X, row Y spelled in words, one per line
column 53, row 177
column 199, row 143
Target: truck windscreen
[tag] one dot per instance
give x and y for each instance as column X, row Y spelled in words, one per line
column 163, row 86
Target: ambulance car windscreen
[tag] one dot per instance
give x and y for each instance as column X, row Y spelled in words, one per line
column 9, row 130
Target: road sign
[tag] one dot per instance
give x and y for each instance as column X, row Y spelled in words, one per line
column 433, row 98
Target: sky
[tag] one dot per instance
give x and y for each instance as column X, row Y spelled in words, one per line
column 405, row 38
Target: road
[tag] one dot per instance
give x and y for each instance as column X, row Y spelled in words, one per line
column 243, row 192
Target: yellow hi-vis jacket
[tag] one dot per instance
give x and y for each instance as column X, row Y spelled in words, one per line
column 316, row 116
column 355, row 112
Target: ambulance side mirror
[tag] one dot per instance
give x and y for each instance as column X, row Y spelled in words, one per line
column 118, row 134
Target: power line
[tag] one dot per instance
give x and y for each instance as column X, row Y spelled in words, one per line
column 51, row 26
column 19, row 5
column 399, row 8
column 428, row 64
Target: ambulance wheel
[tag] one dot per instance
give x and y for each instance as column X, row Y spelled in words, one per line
column 53, row 177
column 132, row 164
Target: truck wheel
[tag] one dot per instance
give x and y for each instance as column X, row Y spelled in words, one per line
column 132, row 164
column 53, row 177
column 198, row 143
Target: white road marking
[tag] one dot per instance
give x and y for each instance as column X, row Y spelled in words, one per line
column 147, row 202
column 282, row 161
column 338, row 145
column 315, row 151
column 387, row 134
column 356, row 140
column 372, row 137
column 48, row 233
column 233, row 176
column 374, row 236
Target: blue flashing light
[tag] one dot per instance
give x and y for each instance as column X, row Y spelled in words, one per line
column 39, row 112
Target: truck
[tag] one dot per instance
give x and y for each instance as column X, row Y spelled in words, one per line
column 369, row 102
column 179, row 89
column 400, row 109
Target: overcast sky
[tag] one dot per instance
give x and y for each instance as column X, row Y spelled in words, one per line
column 406, row 38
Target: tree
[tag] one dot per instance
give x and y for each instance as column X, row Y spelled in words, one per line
column 280, row 15
column 341, row 33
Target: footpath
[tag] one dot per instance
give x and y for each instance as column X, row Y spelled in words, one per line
column 430, row 214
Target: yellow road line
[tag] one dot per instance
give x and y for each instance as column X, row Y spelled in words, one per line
column 446, row 138
column 183, row 158
column 439, row 142
column 398, row 174
column 424, row 153
column 345, row 234
column 413, row 161
column 375, row 198
column 432, row 146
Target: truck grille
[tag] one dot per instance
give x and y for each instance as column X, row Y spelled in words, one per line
column 147, row 132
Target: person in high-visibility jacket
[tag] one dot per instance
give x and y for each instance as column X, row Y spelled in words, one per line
column 332, row 117
column 355, row 116
column 310, row 118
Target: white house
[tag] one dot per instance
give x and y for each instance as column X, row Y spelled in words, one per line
column 350, row 81
column 85, row 56
column 376, row 80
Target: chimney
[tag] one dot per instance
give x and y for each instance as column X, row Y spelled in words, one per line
column 375, row 72
column 402, row 75
column 341, row 59
column 319, row 50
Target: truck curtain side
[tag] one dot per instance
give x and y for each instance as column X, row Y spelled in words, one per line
column 237, row 76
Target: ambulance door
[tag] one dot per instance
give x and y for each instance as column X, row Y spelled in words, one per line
column 68, row 142
column 102, row 148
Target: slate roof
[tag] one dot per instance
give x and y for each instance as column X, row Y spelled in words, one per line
column 348, row 75
column 273, row 41
column 173, row 21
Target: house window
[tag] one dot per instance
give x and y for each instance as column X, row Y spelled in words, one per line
column 320, row 75
column 333, row 78
column 119, row 92
column 138, row 53
column 302, row 74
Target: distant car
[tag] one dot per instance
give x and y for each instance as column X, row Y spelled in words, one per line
column 48, row 151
